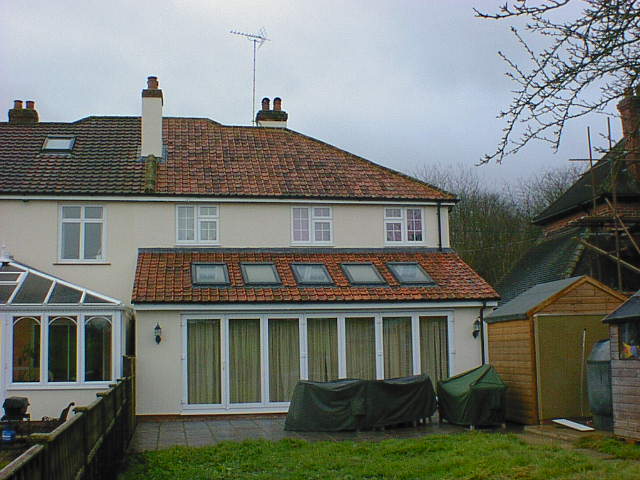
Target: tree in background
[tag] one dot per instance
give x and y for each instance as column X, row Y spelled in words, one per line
column 588, row 62
column 491, row 230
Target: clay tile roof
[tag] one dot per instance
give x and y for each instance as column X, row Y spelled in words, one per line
column 164, row 276
column 203, row 158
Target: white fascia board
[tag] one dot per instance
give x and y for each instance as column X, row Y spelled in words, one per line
column 169, row 199
column 309, row 307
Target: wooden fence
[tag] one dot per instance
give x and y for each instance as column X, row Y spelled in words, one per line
column 90, row 445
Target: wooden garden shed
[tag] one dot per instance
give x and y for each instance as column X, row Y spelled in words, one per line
column 624, row 331
column 538, row 343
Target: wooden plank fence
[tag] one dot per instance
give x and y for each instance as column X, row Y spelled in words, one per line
column 90, row 445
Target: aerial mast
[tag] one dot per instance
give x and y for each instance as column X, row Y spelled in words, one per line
column 258, row 40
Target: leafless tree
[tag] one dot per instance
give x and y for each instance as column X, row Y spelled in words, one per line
column 586, row 63
column 491, row 229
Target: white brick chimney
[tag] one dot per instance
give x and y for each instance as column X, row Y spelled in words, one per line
column 151, row 119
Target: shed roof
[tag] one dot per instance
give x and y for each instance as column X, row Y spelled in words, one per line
column 519, row 307
column 629, row 310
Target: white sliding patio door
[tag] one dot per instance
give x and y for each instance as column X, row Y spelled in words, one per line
column 245, row 374
column 204, row 370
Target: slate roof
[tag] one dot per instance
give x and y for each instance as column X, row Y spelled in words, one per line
column 164, row 276
column 629, row 310
column 204, row 158
column 580, row 194
column 517, row 308
column 554, row 258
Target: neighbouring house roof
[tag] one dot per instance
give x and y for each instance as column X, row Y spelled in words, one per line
column 164, row 276
column 22, row 285
column 203, row 158
column 519, row 307
column 554, row 258
column 629, row 310
column 580, row 194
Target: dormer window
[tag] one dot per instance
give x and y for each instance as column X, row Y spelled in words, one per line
column 58, row 144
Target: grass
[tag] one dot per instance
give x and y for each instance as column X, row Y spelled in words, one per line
column 472, row 456
column 612, row 446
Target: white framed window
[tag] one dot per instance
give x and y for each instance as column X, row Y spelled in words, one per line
column 403, row 225
column 312, row 225
column 51, row 348
column 82, row 233
column 197, row 224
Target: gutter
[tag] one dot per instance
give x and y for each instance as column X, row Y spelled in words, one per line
column 439, row 227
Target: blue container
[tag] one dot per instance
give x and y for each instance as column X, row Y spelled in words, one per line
column 8, row 435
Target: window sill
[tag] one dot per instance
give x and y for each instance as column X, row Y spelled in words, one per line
column 78, row 262
column 60, row 386
column 178, row 245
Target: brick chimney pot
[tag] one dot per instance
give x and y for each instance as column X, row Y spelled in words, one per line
column 31, row 105
column 265, row 104
column 152, row 83
column 17, row 104
column 277, row 104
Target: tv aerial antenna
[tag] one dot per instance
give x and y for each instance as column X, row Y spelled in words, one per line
column 258, row 40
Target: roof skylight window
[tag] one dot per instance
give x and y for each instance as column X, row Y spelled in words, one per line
column 210, row 274
column 409, row 272
column 260, row 274
column 362, row 273
column 311, row 273
column 58, row 144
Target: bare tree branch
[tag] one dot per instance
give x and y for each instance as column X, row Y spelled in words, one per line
column 589, row 62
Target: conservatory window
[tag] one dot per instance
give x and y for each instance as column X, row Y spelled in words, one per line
column 97, row 348
column 81, row 233
column 63, row 334
column 26, row 349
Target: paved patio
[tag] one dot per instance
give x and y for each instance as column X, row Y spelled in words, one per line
column 157, row 435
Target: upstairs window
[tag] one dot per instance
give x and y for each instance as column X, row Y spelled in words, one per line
column 409, row 272
column 311, row 274
column 81, row 233
column 197, row 224
column 260, row 274
column 210, row 274
column 362, row 274
column 58, row 144
column 403, row 225
column 312, row 225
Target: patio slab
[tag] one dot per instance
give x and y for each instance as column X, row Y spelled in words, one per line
column 157, row 435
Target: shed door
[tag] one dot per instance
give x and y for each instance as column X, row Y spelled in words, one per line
column 558, row 361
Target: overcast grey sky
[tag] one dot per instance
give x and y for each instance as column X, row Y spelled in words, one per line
column 402, row 83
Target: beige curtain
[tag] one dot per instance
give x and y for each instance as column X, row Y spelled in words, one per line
column 244, row 360
column 322, row 349
column 398, row 351
column 434, row 352
column 203, row 361
column 361, row 348
column 284, row 358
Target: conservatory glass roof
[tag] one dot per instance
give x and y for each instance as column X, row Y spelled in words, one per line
column 23, row 285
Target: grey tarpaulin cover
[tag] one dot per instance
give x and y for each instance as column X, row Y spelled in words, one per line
column 475, row 397
column 359, row 404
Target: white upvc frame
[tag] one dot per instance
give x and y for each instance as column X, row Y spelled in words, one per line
column 45, row 317
column 312, row 219
column 265, row 405
column 404, row 227
column 197, row 220
column 83, row 221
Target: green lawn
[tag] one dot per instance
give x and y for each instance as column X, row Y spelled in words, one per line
column 612, row 446
column 462, row 457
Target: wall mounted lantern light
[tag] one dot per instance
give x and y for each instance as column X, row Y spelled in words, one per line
column 477, row 325
column 157, row 331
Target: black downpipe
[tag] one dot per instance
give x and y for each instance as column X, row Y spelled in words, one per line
column 439, row 228
column 484, row 304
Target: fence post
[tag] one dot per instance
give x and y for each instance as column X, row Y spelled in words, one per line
column 85, row 437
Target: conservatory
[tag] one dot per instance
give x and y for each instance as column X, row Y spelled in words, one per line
column 61, row 342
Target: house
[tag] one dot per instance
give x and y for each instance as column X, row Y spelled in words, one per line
column 239, row 258
column 594, row 227
column 538, row 343
column 624, row 330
